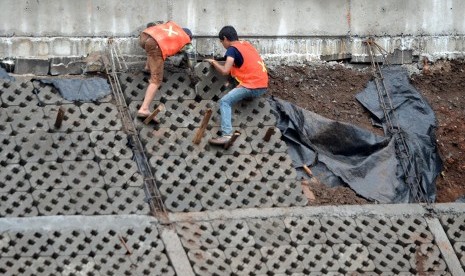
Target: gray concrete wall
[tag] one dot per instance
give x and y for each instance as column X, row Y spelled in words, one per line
column 283, row 30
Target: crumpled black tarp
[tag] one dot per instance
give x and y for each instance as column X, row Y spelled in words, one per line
column 5, row 76
column 343, row 154
column 88, row 89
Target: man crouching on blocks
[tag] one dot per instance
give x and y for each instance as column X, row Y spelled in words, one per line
column 244, row 63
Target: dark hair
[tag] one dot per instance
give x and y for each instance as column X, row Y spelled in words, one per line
column 229, row 32
column 188, row 32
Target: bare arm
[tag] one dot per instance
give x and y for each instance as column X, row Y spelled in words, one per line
column 223, row 69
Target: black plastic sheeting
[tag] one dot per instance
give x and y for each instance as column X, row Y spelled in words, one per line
column 88, row 89
column 343, row 154
column 5, row 76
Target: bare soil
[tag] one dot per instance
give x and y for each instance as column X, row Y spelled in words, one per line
column 329, row 89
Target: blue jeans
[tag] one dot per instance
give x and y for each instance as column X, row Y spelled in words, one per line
column 228, row 100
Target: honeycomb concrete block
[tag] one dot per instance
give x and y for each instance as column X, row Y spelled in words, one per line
column 259, row 145
column 17, row 204
column 216, row 196
column 212, row 85
column 246, row 260
column 31, row 243
column 13, row 179
column 389, row 257
column 18, row 93
column 376, row 230
column 288, row 193
column 45, row 176
column 340, row 231
column 26, row 119
column 37, row 147
column 425, row 257
column 203, row 168
column 110, row 145
column 103, row 117
column 40, row 266
column 454, row 226
column 412, row 230
column 181, row 197
column 35, row 66
column 305, row 231
column 233, row 233
column 209, row 262
column 269, row 232
column 73, row 120
column 83, row 265
column 276, row 167
column 240, row 168
column 7, row 248
column 8, row 150
column 53, row 202
column 122, row 173
column 70, row 242
column 5, row 127
column 281, row 259
column 352, row 258
column 128, row 200
column 170, row 169
column 93, row 201
column 196, row 235
column 74, row 146
column 176, row 86
column 251, row 194
column 83, row 175
column 317, row 258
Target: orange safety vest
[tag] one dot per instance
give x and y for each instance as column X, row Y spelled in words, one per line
column 169, row 36
column 252, row 74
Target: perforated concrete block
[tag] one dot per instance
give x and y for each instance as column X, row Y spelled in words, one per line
column 18, row 93
column 53, row 202
column 121, row 173
column 251, row 194
column 196, row 235
column 83, row 175
column 128, row 200
column 37, row 147
column 47, row 175
column 305, row 230
column 216, row 196
column 74, row 146
column 269, row 232
column 341, row 230
column 73, row 120
column 103, row 117
column 110, row 145
column 13, row 178
column 17, row 204
column 181, row 197
column 26, row 119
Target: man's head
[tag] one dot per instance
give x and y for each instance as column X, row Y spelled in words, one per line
column 229, row 33
column 188, row 32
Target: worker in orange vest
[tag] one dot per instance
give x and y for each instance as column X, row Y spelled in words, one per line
column 159, row 42
column 244, row 63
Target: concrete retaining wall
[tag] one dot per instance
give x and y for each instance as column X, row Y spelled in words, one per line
column 283, row 30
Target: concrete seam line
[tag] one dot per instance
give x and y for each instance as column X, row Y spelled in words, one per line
column 451, row 259
column 333, row 211
column 176, row 253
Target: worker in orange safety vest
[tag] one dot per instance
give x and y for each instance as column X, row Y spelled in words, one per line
column 159, row 42
column 243, row 62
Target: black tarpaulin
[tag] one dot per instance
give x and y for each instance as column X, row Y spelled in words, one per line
column 343, row 154
column 87, row 89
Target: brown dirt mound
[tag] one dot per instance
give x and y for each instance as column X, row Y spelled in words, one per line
column 329, row 90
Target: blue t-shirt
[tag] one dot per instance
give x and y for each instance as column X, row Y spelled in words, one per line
column 236, row 55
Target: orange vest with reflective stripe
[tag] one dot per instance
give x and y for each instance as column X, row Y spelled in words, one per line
column 252, row 74
column 169, row 36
